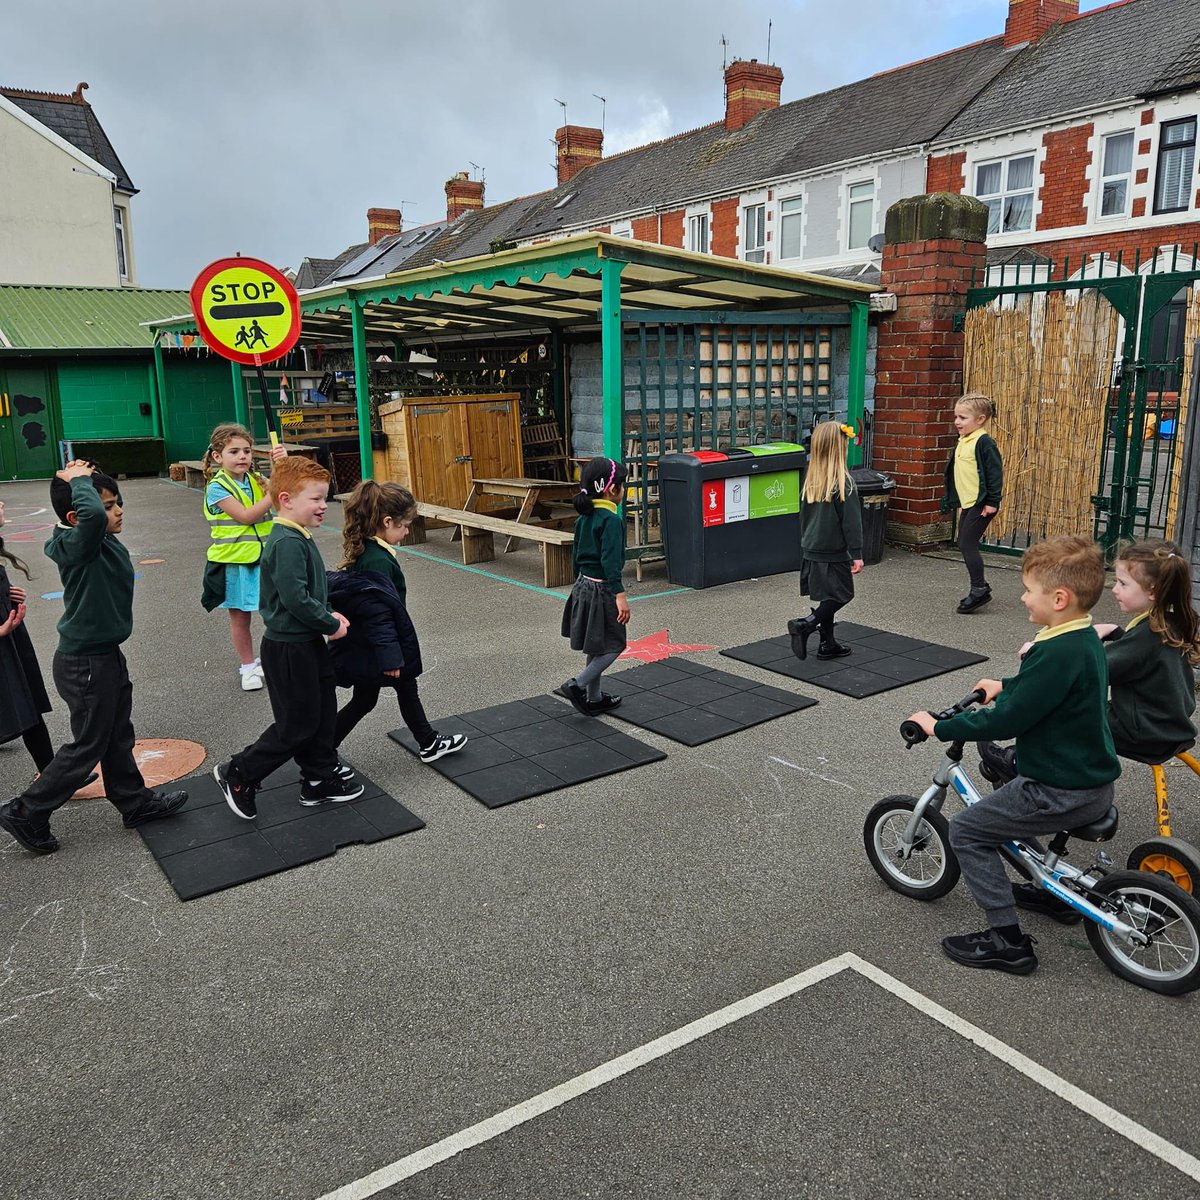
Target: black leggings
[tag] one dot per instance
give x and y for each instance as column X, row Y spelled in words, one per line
column 971, row 525
column 366, row 695
column 823, row 614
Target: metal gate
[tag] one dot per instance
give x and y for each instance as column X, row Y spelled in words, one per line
column 713, row 382
column 1088, row 372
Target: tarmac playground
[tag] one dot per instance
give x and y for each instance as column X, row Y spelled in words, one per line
column 680, row 980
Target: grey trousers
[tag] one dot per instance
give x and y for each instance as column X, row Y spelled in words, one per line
column 1021, row 809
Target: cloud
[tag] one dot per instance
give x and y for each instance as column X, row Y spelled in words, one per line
column 652, row 124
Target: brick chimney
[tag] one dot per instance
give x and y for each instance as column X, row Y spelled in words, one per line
column 463, row 194
column 382, row 223
column 750, row 88
column 578, row 147
column 1029, row 19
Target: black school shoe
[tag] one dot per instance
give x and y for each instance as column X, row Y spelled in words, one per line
column 989, row 951
column 1038, row 900
column 606, row 703
column 577, row 696
column 800, row 629
column 973, row 600
column 833, row 650
column 160, row 804
column 34, row 837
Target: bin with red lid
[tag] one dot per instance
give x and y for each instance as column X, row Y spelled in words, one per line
column 731, row 514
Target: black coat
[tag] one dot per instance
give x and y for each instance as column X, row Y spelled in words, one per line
column 381, row 636
column 23, row 696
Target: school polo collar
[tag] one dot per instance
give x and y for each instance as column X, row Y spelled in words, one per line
column 1137, row 620
column 293, row 525
column 1066, row 627
column 389, row 548
column 607, row 505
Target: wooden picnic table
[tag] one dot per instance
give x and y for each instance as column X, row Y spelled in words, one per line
column 530, row 493
column 260, row 453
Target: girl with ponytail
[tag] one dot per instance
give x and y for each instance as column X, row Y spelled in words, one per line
column 597, row 611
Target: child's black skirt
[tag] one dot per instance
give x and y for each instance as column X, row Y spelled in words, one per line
column 590, row 618
column 826, row 581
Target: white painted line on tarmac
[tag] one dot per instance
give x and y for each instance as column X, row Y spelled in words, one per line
column 1142, row 1137
column 544, row 1102
column 475, row 1135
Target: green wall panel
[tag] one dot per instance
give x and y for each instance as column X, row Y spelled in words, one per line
column 199, row 397
column 101, row 398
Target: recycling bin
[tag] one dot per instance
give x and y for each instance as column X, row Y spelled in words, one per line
column 731, row 514
column 875, row 490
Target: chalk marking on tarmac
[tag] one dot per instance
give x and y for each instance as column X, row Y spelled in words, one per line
column 783, row 762
column 572, row 1089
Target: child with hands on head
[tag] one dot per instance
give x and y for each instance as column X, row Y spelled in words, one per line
column 831, row 539
column 296, row 660
column 597, row 610
column 1055, row 708
column 238, row 508
column 381, row 648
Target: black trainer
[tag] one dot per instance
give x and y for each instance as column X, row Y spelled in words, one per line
column 160, row 804
column 32, row 835
column 991, row 951
column 239, row 794
column 974, row 599
column 442, row 744
column 334, row 790
column 1038, row 900
column 997, row 764
column 345, row 772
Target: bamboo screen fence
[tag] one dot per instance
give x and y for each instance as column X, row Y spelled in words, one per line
column 1047, row 363
column 1190, row 336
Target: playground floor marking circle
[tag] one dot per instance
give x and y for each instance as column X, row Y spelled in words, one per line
column 555, row 1097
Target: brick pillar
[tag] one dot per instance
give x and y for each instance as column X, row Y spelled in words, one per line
column 931, row 246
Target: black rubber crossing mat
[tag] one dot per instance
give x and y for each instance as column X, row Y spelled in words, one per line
column 527, row 747
column 206, row 847
column 878, row 662
column 693, row 704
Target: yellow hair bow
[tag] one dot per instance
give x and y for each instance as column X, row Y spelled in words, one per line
column 848, row 430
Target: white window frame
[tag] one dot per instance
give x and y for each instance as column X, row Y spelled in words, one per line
column 621, row 229
column 122, row 242
column 1127, row 176
column 1188, row 177
column 1006, row 192
column 783, row 217
column 853, row 202
column 756, row 252
column 698, row 224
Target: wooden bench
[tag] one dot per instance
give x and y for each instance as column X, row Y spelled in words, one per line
column 480, row 529
column 194, row 475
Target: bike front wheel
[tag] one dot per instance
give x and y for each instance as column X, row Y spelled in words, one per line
column 1170, row 962
column 931, row 870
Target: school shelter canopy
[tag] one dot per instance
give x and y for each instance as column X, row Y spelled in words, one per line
column 588, row 281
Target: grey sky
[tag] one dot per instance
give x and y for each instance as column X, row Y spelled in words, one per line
column 270, row 128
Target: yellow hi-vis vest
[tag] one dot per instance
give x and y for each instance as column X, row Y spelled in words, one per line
column 233, row 542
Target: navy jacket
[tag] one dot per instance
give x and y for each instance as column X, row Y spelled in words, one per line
column 381, row 636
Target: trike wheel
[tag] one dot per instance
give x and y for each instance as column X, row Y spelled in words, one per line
column 1176, row 860
column 931, row 870
column 1170, row 963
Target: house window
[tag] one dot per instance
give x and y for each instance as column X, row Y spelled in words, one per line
column 623, row 229
column 791, row 211
column 1006, row 187
column 1176, row 165
column 860, row 215
column 1116, row 167
column 754, row 233
column 122, row 257
column 698, row 233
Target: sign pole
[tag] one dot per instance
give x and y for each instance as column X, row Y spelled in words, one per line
column 268, row 411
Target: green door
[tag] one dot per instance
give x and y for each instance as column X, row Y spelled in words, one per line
column 28, row 430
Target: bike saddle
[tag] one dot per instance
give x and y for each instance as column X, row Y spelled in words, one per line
column 1096, row 831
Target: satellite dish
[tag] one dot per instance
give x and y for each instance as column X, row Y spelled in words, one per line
column 875, row 244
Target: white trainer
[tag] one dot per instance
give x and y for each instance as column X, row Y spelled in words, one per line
column 252, row 680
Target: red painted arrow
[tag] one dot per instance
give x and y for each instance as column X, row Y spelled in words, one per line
column 654, row 647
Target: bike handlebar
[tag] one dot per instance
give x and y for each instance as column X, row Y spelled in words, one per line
column 913, row 734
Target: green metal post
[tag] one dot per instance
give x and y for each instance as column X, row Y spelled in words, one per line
column 362, row 388
column 612, row 362
column 159, row 393
column 241, row 406
column 856, row 393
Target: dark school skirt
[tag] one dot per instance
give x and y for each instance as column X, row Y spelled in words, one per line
column 590, row 618
column 826, row 581
column 23, row 696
